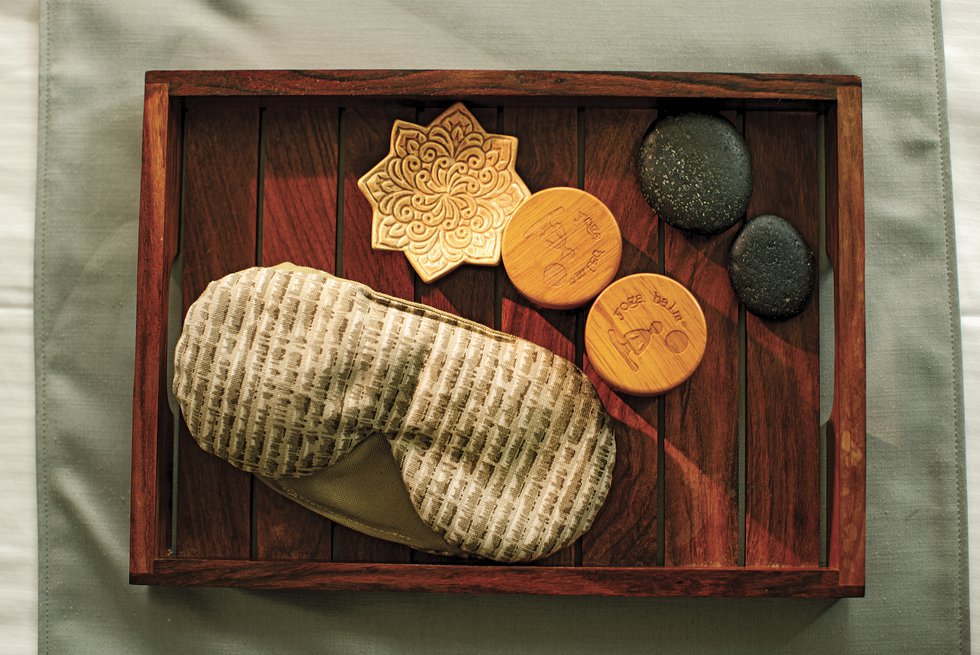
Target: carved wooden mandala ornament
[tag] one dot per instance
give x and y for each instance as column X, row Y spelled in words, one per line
column 444, row 193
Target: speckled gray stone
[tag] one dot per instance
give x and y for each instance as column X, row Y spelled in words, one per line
column 771, row 268
column 696, row 172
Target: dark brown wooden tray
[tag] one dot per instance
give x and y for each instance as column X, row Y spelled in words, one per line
column 725, row 486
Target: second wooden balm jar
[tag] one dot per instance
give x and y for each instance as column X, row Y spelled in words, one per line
column 561, row 248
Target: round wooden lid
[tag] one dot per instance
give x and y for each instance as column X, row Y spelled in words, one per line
column 645, row 334
column 561, row 247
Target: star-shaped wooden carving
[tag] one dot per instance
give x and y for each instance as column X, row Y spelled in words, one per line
column 444, row 193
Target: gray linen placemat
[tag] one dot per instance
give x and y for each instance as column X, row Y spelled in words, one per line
column 92, row 63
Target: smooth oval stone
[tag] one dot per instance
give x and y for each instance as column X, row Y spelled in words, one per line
column 696, row 172
column 771, row 268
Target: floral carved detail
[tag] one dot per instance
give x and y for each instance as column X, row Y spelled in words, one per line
column 444, row 193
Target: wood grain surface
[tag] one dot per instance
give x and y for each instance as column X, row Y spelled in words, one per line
column 555, row 581
column 366, row 135
column 847, row 463
column 153, row 422
column 532, row 86
column 625, row 531
column 547, row 157
column 783, row 361
column 299, row 225
column 222, row 150
column 469, row 291
column 701, row 416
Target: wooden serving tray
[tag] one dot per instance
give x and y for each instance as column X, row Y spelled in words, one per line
column 725, row 486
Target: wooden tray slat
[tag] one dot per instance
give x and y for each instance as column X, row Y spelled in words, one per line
column 626, row 530
column 701, row 416
column 366, row 135
column 846, row 462
column 299, row 209
column 547, row 156
column 783, row 361
column 221, row 150
column 153, row 419
column 511, row 84
column 469, row 291
column 567, row 581
column 701, row 426
column 299, row 225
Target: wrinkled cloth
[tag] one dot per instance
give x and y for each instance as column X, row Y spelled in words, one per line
column 92, row 63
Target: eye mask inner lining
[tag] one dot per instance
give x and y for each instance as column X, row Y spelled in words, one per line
column 365, row 492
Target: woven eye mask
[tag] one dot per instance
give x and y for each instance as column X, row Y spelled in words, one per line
column 330, row 391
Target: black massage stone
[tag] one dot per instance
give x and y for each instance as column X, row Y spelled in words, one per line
column 771, row 268
column 696, row 172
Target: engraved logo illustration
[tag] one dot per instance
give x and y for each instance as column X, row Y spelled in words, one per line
column 444, row 193
column 634, row 343
column 552, row 234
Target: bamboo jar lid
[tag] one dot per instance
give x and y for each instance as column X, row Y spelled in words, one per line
column 645, row 334
column 561, row 247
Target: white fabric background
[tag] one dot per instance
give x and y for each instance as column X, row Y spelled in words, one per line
column 18, row 151
column 18, row 130
column 961, row 31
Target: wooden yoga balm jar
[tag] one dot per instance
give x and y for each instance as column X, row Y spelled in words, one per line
column 645, row 334
column 561, row 248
